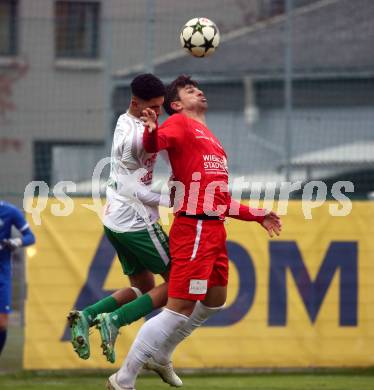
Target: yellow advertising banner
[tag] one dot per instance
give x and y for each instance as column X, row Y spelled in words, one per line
column 303, row 299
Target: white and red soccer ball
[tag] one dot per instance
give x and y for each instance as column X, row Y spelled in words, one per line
column 200, row 37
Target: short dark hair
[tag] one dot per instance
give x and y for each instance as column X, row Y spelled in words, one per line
column 172, row 91
column 147, row 86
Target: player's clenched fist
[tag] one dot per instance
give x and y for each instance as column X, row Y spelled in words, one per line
column 149, row 118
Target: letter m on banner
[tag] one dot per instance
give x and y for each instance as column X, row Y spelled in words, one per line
column 286, row 256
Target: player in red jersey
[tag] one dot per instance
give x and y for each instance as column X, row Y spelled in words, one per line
column 199, row 271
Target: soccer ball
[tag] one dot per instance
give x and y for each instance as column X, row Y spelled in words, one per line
column 200, row 37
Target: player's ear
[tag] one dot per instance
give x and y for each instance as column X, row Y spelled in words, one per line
column 134, row 102
column 176, row 106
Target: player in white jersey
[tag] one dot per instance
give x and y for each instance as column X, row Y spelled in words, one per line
column 130, row 163
column 130, row 223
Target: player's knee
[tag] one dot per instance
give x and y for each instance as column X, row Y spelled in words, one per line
column 216, row 296
column 181, row 306
column 144, row 289
column 141, row 289
column 143, row 281
column 137, row 291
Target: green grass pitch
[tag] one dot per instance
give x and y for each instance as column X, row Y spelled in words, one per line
column 324, row 380
column 317, row 379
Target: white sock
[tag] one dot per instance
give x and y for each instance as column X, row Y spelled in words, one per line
column 200, row 314
column 149, row 339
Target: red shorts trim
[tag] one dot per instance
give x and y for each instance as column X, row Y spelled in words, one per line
column 198, row 257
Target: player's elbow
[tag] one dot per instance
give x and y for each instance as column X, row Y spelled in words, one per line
column 28, row 239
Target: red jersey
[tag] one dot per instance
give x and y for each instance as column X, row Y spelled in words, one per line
column 199, row 162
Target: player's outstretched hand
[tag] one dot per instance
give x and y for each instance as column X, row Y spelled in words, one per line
column 149, row 118
column 272, row 224
column 11, row 243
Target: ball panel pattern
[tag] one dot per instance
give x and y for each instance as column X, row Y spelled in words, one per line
column 200, row 37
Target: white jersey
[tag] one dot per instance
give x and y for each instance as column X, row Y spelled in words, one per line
column 128, row 207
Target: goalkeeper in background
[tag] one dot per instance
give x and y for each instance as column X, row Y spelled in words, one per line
column 10, row 216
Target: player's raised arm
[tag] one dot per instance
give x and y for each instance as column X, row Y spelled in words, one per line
column 150, row 140
column 149, row 118
column 170, row 135
column 269, row 220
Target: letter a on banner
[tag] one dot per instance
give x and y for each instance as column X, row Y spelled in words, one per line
column 92, row 290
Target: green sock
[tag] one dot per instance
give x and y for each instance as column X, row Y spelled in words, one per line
column 132, row 311
column 105, row 305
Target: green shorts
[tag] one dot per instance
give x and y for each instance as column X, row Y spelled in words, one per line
column 146, row 249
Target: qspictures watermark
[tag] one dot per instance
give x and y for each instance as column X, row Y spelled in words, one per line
column 131, row 189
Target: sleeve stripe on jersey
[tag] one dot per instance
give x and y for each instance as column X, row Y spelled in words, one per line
column 24, row 227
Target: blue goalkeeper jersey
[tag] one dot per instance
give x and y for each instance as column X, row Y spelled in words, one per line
column 12, row 216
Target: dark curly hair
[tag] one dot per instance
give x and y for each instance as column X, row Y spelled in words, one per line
column 172, row 91
column 147, row 86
